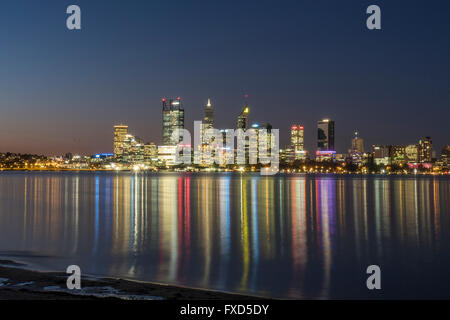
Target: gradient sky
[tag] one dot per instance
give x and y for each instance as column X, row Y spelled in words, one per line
column 299, row 61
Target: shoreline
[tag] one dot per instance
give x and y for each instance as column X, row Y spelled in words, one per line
column 444, row 174
column 19, row 283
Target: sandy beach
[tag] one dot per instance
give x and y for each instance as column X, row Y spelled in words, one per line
column 19, row 283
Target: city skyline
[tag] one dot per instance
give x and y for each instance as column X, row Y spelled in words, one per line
column 62, row 93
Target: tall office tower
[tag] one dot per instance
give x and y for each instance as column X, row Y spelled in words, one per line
column 265, row 139
column 297, row 139
column 208, row 119
column 207, row 123
column 357, row 144
column 173, row 119
column 425, row 150
column 242, row 121
column 120, row 133
column 325, row 137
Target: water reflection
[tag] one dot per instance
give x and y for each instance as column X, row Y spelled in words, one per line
column 283, row 236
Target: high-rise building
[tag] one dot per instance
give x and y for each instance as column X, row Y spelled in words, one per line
column 208, row 118
column 357, row 150
column 265, row 138
column 120, row 133
column 173, row 119
column 425, row 150
column 242, row 122
column 325, row 135
column 297, row 142
column 357, row 143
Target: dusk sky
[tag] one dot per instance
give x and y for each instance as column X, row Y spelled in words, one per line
column 299, row 61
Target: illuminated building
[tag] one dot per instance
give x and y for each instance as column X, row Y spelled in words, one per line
column 412, row 153
column 445, row 157
column 381, row 154
column 357, row 149
column 208, row 118
column 242, row 122
column 297, row 142
column 264, row 138
column 120, row 132
column 425, row 150
column 325, row 135
column 325, row 155
column 133, row 150
column 167, row 155
column 287, row 154
column 173, row 119
column 207, row 123
column 150, row 153
column 357, row 143
column 397, row 155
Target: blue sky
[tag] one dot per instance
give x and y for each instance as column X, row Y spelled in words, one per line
column 299, row 61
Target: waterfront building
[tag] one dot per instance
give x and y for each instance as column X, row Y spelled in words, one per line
column 120, row 132
column 150, row 153
column 397, row 155
column 242, row 121
column 297, row 142
column 167, row 155
column 287, row 154
column 356, row 152
column 265, row 138
column 381, row 154
column 173, row 119
column 412, row 153
column 425, row 150
column 325, row 135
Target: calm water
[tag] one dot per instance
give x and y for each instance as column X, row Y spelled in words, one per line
column 293, row 236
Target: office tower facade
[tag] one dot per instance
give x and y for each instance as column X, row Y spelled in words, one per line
column 208, row 118
column 412, row 153
column 173, row 119
column 357, row 149
column 297, row 142
column 381, row 154
column 445, row 157
column 425, row 150
column 264, row 138
column 242, row 121
column 397, row 154
column 325, row 135
column 357, row 143
column 120, row 133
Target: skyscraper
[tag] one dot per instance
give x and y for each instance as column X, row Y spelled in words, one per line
column 207, row 123
column 120, row 133
column 173, row 119
column 357, row 144
column 297, row 145
column 425, row 150
column 325, row 137
column 208, row 118
column 242, row 121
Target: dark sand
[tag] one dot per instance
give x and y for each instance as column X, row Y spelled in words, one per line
column 23, row 284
